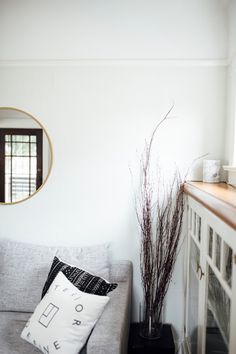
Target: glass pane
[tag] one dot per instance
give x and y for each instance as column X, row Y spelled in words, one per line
column 32, row 185
column 19, row 186
column 20, row 138
column 20, row 178
column 33, row 138
column 7, row 165
column 210, row 241
column 20, row 167
column 8, row 149
column 193, row 296
column 194, row 257
column 194, row 224
column 33, row 149
column 7, row 179
column 190, row 218
column 7, row 188
column 199, row 228
column 228, row 260
column 218, row 316
column 33, row 166
column 7, row 137
column 20, row 149
column 19, row 195
column 218, row 251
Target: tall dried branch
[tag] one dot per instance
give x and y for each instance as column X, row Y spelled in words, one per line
column 160, row 218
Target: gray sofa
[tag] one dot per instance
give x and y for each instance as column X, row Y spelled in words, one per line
column 23, row 270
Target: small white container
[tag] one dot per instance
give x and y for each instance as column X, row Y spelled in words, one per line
column 211, row 171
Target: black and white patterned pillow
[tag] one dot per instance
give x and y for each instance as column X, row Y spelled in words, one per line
column 83, row 280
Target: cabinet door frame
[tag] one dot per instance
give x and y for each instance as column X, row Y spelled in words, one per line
column 194, row 207
column 228, row 235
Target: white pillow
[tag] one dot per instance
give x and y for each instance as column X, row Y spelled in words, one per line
column 63, row 320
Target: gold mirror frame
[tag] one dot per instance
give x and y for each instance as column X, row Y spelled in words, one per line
column 50, row 149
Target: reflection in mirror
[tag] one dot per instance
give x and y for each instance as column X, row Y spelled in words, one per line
column 25, row 155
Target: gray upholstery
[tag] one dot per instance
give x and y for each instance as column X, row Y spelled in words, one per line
column 23, row 264
column 11, row 325
column 110, row 335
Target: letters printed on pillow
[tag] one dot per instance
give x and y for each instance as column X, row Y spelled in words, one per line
column 63, row 320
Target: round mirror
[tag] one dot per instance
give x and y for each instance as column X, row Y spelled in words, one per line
column 25, row 155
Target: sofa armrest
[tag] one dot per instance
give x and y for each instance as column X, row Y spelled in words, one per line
column 111, row 333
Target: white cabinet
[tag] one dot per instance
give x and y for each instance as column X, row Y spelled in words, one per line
column 211, row 290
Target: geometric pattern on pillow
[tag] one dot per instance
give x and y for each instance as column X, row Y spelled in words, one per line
column 64, row 318
column 81, row 279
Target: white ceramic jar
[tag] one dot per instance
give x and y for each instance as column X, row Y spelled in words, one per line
column 211, row 171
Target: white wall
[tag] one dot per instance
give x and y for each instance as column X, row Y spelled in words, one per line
column 32, row 29
column 99, row 112
column 230, row 146
column 232, row 29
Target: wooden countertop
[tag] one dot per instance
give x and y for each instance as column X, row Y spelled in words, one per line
column 219, row 198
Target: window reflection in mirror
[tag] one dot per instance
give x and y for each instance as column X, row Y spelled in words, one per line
column 25, row 155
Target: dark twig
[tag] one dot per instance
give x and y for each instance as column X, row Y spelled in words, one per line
column 160, row 221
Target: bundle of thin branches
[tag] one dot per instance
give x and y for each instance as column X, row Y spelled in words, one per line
column 160, row 221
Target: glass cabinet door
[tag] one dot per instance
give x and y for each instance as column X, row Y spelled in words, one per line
column 193, row 297
column 211, row 287
column 219, row 274
column 218, row 317
column 194, row 277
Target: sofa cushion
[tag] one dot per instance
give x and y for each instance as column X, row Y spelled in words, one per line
column 84, row 281
column 64, row 318
column 24, row 269
column 120, row 271
column 11, row 325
